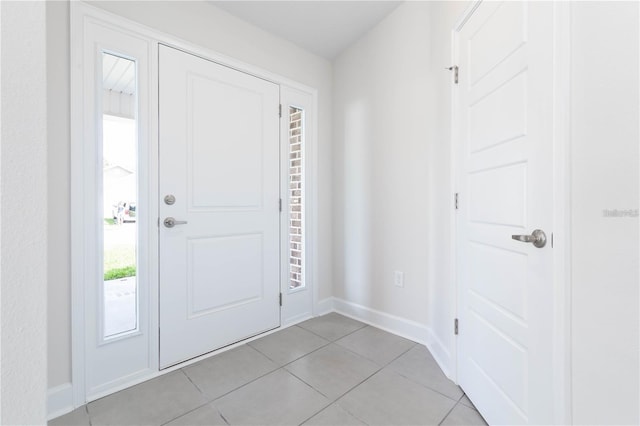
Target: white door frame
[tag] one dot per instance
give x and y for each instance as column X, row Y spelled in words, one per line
column 561, row 204
column 299, row 304
column 83, row 231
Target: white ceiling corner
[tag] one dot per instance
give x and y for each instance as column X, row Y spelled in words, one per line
column 325, row 28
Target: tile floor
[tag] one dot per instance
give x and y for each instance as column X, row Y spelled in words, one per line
column 329, row 370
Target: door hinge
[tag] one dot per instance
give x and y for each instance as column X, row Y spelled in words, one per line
column 280, row 110
column 454, row 68
column 280, row 299
column 455, row 326
column 456, row 201
column 280, row 204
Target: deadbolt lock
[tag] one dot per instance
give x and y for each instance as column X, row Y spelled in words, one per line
column 169, row 200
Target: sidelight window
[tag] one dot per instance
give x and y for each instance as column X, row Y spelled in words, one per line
column 119, row 196
column 296, row 198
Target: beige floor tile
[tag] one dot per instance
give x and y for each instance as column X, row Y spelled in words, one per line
column 463, row 416
column 390, row 399
column 150, row 403
column 332, row 370
column 376, row 345
column 278, row 398
column 332, row 326
column 227, row 371
column 419, row 366
column 203, row 416
column 78, row 417
column 333, row 415
column 288, row 345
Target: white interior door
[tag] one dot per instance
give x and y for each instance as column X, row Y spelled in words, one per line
column 219, row 174
column 504, row 142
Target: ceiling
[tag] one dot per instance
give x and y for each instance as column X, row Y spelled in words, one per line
column 118, row 74
column 325, row 28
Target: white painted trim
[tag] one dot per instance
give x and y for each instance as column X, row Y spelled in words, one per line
column 90, row 38
column 157, row 36
column 299, row 303
column 76, row 191
column 80, row 12
column 323, row 307
column 313, row 206
column 562, row 212
column 441, row 354
column 59, row 400
column 293, row 321
column 402, row 327
column 454, row 155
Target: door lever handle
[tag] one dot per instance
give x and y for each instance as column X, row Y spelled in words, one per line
column 171, row 222
column 537, row 237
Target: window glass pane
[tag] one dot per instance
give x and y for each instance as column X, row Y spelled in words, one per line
column 120, row 193
column 296, row 198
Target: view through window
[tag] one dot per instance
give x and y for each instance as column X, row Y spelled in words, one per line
column 120, row 182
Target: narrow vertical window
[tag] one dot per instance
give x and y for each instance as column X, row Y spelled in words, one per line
column 296, row 198
column 120, row 193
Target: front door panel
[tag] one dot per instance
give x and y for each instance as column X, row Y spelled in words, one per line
column 219, row 160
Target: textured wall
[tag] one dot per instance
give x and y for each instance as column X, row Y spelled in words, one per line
column 23, row 213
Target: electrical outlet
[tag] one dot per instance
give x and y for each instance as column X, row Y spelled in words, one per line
column 398, row 278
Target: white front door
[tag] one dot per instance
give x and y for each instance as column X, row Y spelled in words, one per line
column 504, row 142
column 219, row 181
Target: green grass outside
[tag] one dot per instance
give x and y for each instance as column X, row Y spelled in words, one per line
column 119, row 262
column 117, row 273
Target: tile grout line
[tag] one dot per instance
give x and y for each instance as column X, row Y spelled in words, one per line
column 448, row 412
column 185, row 413
column 302, row 356
column 426, row 386
column 329, row 342
column 335, row 401
column 192, row 382
column 222, row 416
column 331, row 401
column 341, row 337
column 374, row 361
column 210, row 400
column 86, row 409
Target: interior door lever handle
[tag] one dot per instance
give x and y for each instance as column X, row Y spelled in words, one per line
column 537, row 237
column 171, row 222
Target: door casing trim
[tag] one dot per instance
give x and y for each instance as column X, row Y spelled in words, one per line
column 80, row 13
column 562, row 410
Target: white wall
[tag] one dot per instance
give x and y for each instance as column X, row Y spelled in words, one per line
column 392, row 198
column 203, row 24
column 392, row 105
column 23, row 213
column 605, row 164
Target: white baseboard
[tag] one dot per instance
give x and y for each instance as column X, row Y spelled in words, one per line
column 324, row 306
column 59, row 400
column 295, row 320
column 393, row 324
column 441, row 354
column 403, row 327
